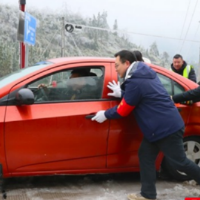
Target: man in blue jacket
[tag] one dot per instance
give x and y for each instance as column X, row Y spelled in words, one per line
column 143, row 94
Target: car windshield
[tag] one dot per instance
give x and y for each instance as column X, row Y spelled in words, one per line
column 20, row 73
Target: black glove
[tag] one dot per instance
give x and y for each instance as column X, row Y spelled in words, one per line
column 187, row 102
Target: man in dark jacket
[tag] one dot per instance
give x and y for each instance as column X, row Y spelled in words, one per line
column 181, row 67
column 144, row 95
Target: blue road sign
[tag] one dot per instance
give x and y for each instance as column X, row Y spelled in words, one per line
column 29, row 29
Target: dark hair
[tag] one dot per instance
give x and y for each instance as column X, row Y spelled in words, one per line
column 138, row 55
column 126, row 55
column 178, row 56
column 81, row 72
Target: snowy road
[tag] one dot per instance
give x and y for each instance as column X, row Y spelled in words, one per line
column 92, row 187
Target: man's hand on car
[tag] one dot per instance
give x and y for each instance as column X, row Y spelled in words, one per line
column 115, row 87
column 100, row 116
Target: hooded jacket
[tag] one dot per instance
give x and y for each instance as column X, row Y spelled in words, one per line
column 152, row 106
column 191, row 75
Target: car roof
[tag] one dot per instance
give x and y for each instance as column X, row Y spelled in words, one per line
column 80, row 59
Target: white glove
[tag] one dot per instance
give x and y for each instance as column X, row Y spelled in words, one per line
column 115, row 87
column 100, row 116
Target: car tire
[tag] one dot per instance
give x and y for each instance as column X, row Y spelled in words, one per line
column 194, row 143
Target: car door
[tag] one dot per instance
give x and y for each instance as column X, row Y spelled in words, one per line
column 57, row 135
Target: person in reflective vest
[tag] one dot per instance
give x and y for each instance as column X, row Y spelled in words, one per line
column 181, row 67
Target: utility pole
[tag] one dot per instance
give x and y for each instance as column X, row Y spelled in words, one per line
column 63, row 37
column 22, row 4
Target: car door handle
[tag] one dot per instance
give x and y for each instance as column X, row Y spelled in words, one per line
column 89, row 116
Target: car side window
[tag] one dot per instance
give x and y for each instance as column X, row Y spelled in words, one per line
column 76, row 84
column 170, row 85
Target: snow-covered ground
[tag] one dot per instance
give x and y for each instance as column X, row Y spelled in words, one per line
column 93, row 187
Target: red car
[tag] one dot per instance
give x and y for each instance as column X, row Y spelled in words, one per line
column 45, row 132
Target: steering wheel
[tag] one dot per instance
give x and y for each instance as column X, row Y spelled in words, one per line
column 44, row 95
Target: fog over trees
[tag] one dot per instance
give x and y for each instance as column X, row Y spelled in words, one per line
column 94, row 37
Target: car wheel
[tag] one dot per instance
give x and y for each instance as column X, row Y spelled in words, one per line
column 192, row 150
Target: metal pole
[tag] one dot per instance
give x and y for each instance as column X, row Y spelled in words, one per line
column 63, row 38
column 22, row 4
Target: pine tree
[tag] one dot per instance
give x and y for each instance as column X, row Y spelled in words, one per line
column 115, row 27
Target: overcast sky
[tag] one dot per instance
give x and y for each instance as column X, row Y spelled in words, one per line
column 142, row 20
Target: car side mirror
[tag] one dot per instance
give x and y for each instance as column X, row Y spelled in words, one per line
column 24, row 97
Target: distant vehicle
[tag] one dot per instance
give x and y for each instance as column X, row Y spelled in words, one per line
column 48, row 133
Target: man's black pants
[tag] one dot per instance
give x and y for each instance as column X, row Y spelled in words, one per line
column 172, row 147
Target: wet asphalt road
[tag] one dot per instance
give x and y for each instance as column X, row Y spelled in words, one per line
column 91, row 187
